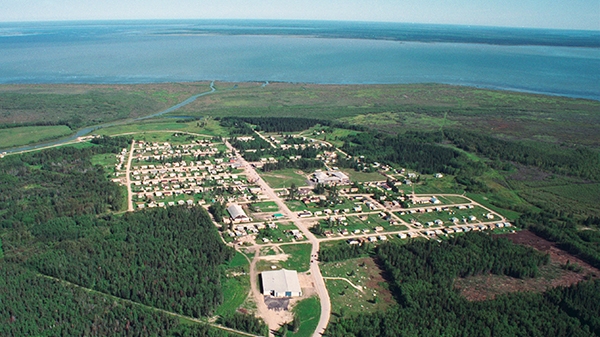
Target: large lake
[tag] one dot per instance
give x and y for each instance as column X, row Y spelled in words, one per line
column 130, row 52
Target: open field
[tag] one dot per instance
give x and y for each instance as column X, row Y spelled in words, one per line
column 416, row 106
column 308, row 312
column 299, row 257
column 31, row 134
column 362, row 272
column 284, row 178
column 363, row 176
column 210, row 128
column 576, row 198
column 86, row 104
column 236, row 285
column 554, row 274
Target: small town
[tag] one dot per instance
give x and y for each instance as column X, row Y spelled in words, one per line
column 262, row 214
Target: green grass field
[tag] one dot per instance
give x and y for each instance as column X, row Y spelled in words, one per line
column 235, row 284
column 308, row 312
column 163, row 125
column 485, row 201
column 363, row 176
column 284, row 178
column 299, row 257
column 265, row 206
column 13, row 137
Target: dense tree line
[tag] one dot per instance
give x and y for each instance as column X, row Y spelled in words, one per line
column 236, row 126
column 422, row 274
column 36, row 123
column 580, row 161
column 415, row 151
column 38, row 186
column 302, row 164
column 275, row 124
column 462, row 256
column 165, row 258
column 255, row 144
column 245, row 322
column 564, row 230
column 34, row 305
column 342, row 252
column 218, row 211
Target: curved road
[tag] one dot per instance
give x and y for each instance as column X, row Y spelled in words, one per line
column 90, row 129
column 302, row 225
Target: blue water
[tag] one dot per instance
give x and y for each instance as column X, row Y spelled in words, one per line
column 553, row 62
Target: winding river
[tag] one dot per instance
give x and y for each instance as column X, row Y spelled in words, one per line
column 90, row 129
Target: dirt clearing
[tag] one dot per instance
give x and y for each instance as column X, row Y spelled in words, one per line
column 483, row 287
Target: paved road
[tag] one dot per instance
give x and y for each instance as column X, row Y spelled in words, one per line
column 128, row 178
column 303, row 226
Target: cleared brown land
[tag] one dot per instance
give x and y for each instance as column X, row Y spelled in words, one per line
column 483, row 287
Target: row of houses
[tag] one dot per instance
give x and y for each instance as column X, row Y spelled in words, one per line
column 452, row 230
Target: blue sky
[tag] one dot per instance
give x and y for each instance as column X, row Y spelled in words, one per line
column 563, row 14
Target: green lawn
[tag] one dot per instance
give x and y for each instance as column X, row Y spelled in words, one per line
column 296, row 206
column 235, row 285
column 265, row 206
column 308, row 312
column 299, row 257
column 31, row 134
column 484, row 200
column 284, row 178
column 211, row 129
column 363, row 176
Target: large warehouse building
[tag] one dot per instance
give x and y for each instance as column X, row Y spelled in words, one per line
column 281, row 283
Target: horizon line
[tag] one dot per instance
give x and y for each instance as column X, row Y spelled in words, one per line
column 293, row 20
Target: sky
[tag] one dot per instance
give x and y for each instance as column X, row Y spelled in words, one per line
column 560, row 14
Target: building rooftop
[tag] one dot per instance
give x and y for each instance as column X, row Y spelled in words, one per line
column 281, row 281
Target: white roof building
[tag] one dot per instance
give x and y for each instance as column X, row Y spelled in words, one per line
column 237, row 213
column 281, row 283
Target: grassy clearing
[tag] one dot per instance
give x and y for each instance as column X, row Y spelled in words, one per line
column 235, row 284
column 13, row 137
column 581, row 193
column 362, row 272
column 299, row 257
column 296, row 206
column 331, row 135
column 284, row 178
column 212, row 128
column 363, row 176
column 408, row 120
column 265, row 206
column 428, row 185
column 308, row 312
column 485, row 201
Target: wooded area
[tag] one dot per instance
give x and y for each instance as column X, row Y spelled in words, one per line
column 38, row 186
column 34, row 305
column 422, row 274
